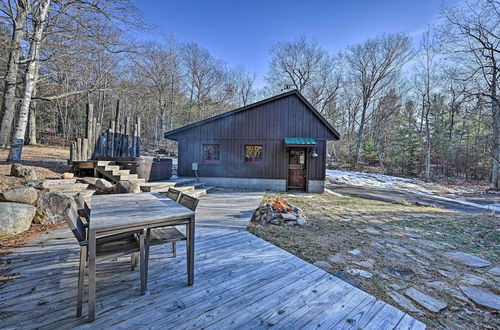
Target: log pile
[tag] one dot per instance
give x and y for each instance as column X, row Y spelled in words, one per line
column 121, row 140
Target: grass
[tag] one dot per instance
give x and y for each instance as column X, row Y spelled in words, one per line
column 337, row 225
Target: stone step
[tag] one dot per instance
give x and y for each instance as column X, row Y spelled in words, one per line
column 190, row 187
column 68, row 187
column 87, row 193
column 184, row 181
column 121, row 172
column 54, row 182
column 138, row 181
column 199, row 192
column 111, row 168
column 127, row 177
column 156, row 186
column 105, row 162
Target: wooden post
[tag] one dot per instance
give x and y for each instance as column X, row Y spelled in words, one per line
column 97, row 133
column 117, row 114
column 111, row 140
column 85, row 148
column 72, row 151
column 92, row 139
column 138, row 143
column 79, row 149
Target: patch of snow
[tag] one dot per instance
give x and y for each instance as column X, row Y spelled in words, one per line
column 412, row 185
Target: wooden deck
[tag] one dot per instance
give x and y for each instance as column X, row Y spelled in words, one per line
column 241, row 281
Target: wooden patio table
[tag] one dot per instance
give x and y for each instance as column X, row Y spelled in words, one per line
column 122, row 213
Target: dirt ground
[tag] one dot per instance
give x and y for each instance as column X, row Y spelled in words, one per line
column 48, row 162
column 387, row 249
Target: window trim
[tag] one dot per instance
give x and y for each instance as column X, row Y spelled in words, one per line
column 205, row 161
column 253, row 162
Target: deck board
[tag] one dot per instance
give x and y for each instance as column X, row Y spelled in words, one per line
column 241, row 281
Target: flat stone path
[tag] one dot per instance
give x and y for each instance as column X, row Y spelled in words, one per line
column 241, row 281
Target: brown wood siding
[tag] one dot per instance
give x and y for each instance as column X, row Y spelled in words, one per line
column 264, row 125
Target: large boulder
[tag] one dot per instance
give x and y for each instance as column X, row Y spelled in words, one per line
column 19, row 194
column 103, row 186
column 22, row 171
column 51, row 207
column 124, row 187
column 15, row 218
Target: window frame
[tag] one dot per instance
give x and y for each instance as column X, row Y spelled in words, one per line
column 206, row 161
column 253, row 162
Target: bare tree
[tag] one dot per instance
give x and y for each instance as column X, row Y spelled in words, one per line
column 39, row 19
column 17, row 13
column 306, row 67
column 471, row 37
column 374, row 65
column 241, row 82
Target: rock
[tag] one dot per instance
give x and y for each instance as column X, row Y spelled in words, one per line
column 22, row 171
column 15, row 218
column 289, row 217
column 445, row 273
column 398, row 271
column 88, row 180
column 336, row 259
column 322, row 264
column 51, row 207
column 301, row 221
column 124, row 187
column 431, row 244
column 360, row 272
column 19, row 194
column 472, row 279
column 467, row 259
column 371, row 231
column 103, row 185
column 482, row 297
column 430, row 303
column 67, row 175
column 412, row 235
column 355, row 252
column 366, row 264
column 396, row 286
column 275, row 221
column 419, row 251
column 494, row 271
column 403, row 302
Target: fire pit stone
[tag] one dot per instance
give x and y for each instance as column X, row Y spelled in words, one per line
column 279, row 212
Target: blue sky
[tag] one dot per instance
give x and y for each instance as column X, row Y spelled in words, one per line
column 242, row 32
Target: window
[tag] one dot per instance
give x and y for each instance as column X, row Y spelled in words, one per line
column 211, row 153
column 253, row 154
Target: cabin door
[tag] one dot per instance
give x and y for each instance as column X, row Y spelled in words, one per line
column 297, row 169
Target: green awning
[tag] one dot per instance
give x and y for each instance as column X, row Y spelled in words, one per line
column 306, row 142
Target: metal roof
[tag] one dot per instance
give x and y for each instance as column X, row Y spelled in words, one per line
column 300, row 141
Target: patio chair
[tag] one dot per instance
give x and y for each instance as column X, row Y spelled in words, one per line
column 83, row 207
column 172, row 235
column 173, row 194
column 107, row 247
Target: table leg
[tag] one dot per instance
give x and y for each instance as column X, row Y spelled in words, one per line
column 147, row 242
column 92, row 279
column 190, row 259
column 143, row 263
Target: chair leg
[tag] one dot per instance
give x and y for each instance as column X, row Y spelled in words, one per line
column 81, row 280
column 174, row 249
column 133, row 261
column 147, row 245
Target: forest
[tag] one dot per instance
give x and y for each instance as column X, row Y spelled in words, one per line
column 418, row 106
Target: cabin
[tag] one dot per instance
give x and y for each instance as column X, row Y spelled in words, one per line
column 276, row 144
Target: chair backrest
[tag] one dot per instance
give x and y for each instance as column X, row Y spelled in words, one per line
column 75, row 223
column 82, row 206
column 173, row 194
column 189, row 202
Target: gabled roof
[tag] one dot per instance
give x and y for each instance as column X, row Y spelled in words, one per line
column 256, row 104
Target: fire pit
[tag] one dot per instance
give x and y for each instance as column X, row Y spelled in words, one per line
column 279, row 212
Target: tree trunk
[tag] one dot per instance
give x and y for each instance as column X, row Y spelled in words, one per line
column 29, row 82
column 32, row 126
column 495, row 109
column 9, row 92
column 359, row 144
